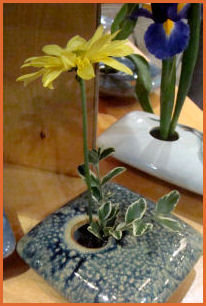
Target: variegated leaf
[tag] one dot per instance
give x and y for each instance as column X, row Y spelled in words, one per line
column 104, row 211
column 169, row 223
column 114, row 172
column 94, row 229
column 167, row 203
column 140, row 228
column 136, row 210
column 116, row 234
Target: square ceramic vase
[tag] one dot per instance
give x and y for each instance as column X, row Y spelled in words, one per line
column 138, row 270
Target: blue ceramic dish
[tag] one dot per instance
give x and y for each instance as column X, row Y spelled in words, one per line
column 8, row 238
column 138, row 270
column 120, row 84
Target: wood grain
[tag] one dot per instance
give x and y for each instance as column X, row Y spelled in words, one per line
column 42, row 127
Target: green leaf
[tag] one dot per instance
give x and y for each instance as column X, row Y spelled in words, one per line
column 104, row 211
column 81, row 170
column 107, row 230
column 143, row 82
column 105, row 153
column 94, row 229
column 167, row 203
column 123, row 22
column 114, row 172
column 140, row 228
column 143, row 97
column 94, row 179
column 96, row 193
column 136, row 210
column 169, row 223
column 112, row 217
column 121, row 226
column 127, row 28
column 119, row 18
column 116, row 234
column 93, row 157
column 143, row 70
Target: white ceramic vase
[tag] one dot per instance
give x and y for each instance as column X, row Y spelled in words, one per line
column 179, row 162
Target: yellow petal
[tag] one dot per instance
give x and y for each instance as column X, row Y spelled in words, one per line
column 116, row 65
column 118, row 48
column 30, row 77
column 97, row 35
column 52, row 50
column 98, row 46
column 114, row 34
column 75, row 43
column 85, row 69
column 49, row 76
column 43, row 61
column 68, row 59
column 30, row 58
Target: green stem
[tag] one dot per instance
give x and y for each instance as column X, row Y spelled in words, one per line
column 188, row 62
column 167, row 95
column 85, row 145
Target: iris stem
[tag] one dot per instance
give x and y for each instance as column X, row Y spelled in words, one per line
column 188, row 62
column 167, row 95
column 85, row 145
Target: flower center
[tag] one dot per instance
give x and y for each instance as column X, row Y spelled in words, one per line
column 180, row 6
column 168, row 26
column 147, row 7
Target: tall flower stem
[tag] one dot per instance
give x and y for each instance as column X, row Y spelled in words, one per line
column 167, row 95
column 188, row 62
column 85, row 145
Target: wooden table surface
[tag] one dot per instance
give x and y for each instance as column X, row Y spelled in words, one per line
column 31, row 194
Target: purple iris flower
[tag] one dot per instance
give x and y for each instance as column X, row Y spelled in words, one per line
column 169, row 34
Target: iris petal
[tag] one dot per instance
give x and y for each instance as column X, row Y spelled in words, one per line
column 163, row 46
column 182, row 10
column 161, row 11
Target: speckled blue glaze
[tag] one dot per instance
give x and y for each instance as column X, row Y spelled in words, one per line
column 9, row 242
column 139, row 270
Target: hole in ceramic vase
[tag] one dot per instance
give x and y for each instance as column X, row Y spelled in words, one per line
column 83, row 237
column 155, row 132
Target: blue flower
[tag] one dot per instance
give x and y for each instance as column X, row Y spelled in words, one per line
column 168, row 35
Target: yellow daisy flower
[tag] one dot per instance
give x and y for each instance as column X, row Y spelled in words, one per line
column 78, row 54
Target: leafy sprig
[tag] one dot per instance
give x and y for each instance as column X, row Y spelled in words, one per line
column 108, row 224
column 97, row 182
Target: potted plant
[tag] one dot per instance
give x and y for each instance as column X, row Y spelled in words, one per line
column 157, row 145
column 76, row 248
